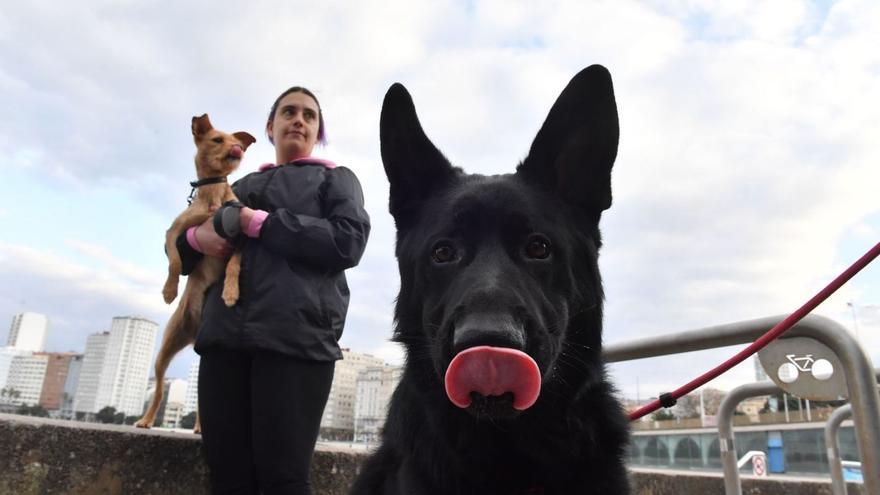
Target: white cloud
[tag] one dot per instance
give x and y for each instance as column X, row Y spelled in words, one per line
column 72, row 282
column 391, row 352
column 122, row 268
column 748, row 137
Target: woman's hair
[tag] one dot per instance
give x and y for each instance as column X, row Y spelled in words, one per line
column 322, row 134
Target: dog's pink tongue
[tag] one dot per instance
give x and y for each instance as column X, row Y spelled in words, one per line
column 493, row 371
column 236, row 152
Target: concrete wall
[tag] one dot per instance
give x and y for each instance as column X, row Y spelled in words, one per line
column 42, row 456
column 664, row 482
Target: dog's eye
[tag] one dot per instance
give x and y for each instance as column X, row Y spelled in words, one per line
column 538, row 247
column 218, row 140
column 443, row 253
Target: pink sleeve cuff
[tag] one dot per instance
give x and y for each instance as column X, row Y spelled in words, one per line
column 256, row 223
column 192, row 239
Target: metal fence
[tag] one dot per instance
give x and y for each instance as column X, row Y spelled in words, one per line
column 857, row 369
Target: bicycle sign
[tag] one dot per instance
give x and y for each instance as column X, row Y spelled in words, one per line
column 802, row 363
column 821, row 369
column 804, row 367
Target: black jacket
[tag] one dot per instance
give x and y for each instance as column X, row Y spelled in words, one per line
column 294, row 296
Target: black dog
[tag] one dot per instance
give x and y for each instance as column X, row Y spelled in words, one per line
column 500, row 310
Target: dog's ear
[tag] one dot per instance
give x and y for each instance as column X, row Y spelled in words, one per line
column 575, row 149
column 200, row 126
column 245, row 138
column 414, row 166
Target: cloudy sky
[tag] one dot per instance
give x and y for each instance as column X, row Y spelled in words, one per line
column 747, row 177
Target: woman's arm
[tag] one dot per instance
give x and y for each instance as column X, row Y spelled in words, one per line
column 335, row 242
column 189, row 257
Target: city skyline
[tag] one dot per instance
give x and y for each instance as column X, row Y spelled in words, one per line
column 191, row 372
column 186, row 376
column 113, row 372
column 71, row 384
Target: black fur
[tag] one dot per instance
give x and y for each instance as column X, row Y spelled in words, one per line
column 466, row 249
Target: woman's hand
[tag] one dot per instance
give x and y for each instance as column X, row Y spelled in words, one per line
column 245, row 215
column 210, row 243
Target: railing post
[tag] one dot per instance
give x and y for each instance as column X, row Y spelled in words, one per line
column 863, row 397
column 732, row 485
column 838, row 484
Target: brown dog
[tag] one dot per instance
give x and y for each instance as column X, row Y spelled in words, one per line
column 218, row 155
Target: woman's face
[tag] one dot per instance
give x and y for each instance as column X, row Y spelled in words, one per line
column 294, row 127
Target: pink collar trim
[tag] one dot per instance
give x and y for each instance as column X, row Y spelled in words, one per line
column 302, row 161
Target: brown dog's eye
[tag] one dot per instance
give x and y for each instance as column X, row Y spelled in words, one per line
column 443, row 253
column 538, row 247
column 218, row 140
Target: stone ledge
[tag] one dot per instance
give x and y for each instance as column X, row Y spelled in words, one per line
column 44, row 456
column 667, row 482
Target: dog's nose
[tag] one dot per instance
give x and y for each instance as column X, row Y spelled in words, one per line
column 492, row 329
column 236, row 151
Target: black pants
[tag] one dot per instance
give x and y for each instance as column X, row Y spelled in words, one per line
column 260, row 414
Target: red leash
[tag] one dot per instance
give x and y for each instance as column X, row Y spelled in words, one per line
column 669, row 399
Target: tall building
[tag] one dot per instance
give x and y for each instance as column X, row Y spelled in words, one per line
column 6, row 356
column 68, row 393
column 28, row 332
column 760, row 374
column 752, row 407
column 126, row 369
column 338, row 419
column 56, row 376
column 374, row 388
column 84, row 400
column 192, row 389
column 26, row 375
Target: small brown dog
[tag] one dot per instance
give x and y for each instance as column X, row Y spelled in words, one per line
column 218, row 155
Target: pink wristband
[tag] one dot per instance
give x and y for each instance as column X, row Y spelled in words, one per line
column 256, row 223
column 192, row 239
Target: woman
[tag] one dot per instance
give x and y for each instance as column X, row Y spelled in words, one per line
column 267, row 363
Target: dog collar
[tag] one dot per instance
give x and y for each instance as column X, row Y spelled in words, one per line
column 202, row 182
column 205, row 182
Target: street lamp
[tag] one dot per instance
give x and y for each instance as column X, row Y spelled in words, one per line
column 852, row 306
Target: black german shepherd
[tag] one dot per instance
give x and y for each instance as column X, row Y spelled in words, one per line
column 500, row 310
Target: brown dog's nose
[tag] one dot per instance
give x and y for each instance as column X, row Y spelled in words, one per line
column 236, row 151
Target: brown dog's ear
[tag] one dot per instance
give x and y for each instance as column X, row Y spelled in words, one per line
column 245, row 138
column 200, row 126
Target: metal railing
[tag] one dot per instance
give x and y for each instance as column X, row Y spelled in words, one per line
column 838, row 484
column 726, row 443
column 858, row 370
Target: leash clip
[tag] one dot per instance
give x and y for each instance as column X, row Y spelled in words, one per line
column 667, row 400
column 202, row 182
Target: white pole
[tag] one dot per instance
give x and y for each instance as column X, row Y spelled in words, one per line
column 852, row 306
column 702, row 409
